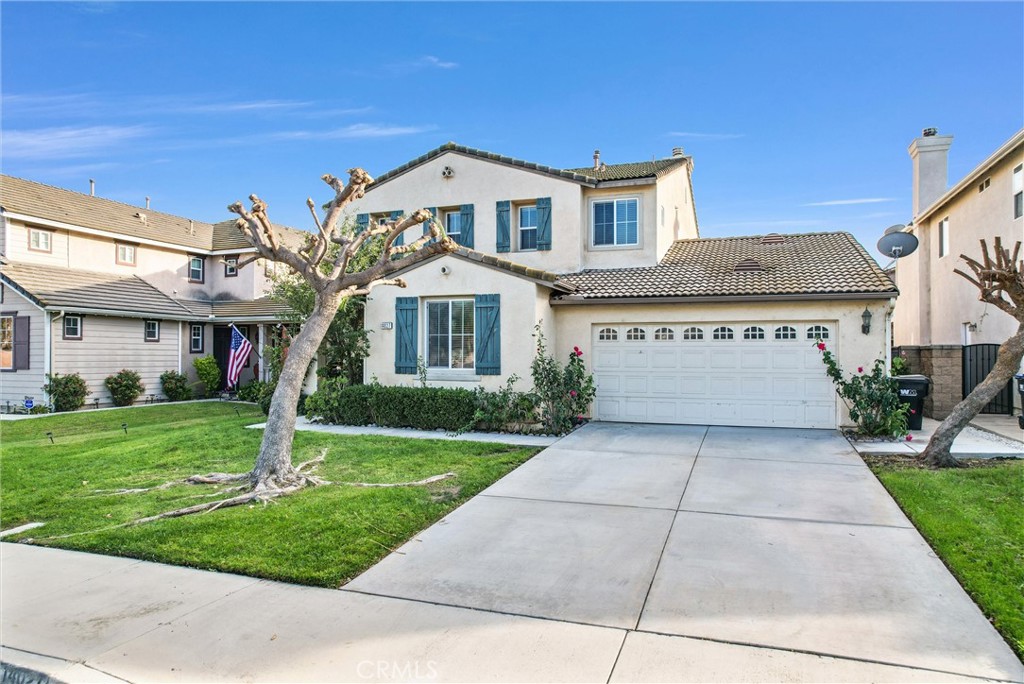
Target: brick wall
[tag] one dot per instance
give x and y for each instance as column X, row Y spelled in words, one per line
column 943, row 364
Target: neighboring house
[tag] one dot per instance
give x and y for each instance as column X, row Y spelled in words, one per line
column 939, row 323
column 90, row 285
column 608, row 258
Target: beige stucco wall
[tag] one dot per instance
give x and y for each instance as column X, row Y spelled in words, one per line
column 645, row 253
column 677, row 217
column 934, row 301
column 109, row 344
column 523, row 304
column 16, row 385
column 574, row 324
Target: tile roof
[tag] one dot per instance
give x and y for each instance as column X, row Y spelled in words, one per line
column 64, row 288
column 553, row 280
column 588, row 176
column 804, row 264
column 631, row 170
column 51, row 203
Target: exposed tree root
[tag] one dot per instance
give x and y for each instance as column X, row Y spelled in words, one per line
column 417, row 483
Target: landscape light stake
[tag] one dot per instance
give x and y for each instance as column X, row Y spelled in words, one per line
column 124, row 426
column 50, row 435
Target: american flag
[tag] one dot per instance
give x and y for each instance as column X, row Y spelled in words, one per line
column 240, row 350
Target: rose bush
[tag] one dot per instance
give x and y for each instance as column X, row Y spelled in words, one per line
column 873, row 398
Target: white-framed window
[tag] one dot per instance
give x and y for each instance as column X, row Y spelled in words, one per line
column 817, row 332
column 608, row 335
column 984, row 185
column 722, row 333
column 72, row 327
column 450, row 334
column 693, row 333
column 230, row 267
column 944, row 237
column 196, row 270
column 196, row 338
column 615, row 222
column 40, row 240
column 753, row 332
column 7, row 342
column 636, row 335
column 785, row 332
column 528, row 227
column 152, row 331
column 664, row 335
column 1018, row 191
column 125, row 255
column 453, row 224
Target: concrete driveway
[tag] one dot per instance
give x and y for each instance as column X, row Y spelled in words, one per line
column 723, row 554
column 622, row 553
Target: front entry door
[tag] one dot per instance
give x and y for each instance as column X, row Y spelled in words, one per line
column 221, row 351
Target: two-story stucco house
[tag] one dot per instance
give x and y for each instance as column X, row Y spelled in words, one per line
column 939, row 324
column 608, row 258
column 90, row 285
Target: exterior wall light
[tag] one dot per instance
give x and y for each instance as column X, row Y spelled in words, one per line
column 866, row 321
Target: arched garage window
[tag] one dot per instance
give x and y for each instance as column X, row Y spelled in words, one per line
column 785, row 332
column 723, row 333
column 817, row 331
column 608, row 335
column 753, row 333
column 636, row 334
column 693, row 333
column 664, row 334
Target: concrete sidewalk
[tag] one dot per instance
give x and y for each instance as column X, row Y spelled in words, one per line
column 623, row 553
column 987, row 441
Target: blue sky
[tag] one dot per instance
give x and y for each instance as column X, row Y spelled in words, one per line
column 798, row 115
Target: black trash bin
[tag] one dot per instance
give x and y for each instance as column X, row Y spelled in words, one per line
column 1020, row 389
column 913, row 390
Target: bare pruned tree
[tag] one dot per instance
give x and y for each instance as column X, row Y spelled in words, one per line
column 1000, row 282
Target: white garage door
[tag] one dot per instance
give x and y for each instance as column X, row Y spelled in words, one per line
column 759, row 374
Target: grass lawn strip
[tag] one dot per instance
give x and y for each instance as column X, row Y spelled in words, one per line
column 972, row 517
column 322, row 536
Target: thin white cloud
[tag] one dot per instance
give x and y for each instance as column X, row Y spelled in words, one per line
column 105, row 105
column 845, row 202
column 421, row 64
column 705, row 136
column 237, row 107
column 430, row 60
column 352, row 132
column 66, row 142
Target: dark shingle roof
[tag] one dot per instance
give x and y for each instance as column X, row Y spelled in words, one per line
column 587, row 176
column 51, row 203
column 224, row 309
column 631, row 170
column 807, row 264
column 64, row 288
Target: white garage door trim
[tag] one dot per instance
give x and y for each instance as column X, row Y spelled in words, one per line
column 764, row 374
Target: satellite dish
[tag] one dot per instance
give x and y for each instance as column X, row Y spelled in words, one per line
column 897, row 244
column 895, row 229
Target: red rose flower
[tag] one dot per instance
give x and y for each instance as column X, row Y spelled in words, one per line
column 860, row 369
column 910, row 438
column 912, row 411
column 572, row 393
column 821, row 346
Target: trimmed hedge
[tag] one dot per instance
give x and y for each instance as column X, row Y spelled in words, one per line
column 425, row 408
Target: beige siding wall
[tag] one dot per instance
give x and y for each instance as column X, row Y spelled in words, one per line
column 523, row 304
column 854, row 349
column 110, row 344
column 16, row 385
column 934, row 302
column 17, row 246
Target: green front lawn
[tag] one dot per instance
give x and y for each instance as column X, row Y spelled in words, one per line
column 974, row 519
column 322, row 536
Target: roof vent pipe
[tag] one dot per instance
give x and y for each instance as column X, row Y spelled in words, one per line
column 92, row 188
column 677, row 152
column 597, row 159
column 147, row 202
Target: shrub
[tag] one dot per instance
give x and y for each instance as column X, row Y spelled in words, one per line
column 125, row 387
column 66, row 392
column 39, row 409
column 253, row 390
column 209, row 374
column 873, row 398
column 266, row 395
column 900, row 365
column 505, row 409
column 564, row 394
column 426, row 408
column 335, row 401
column 176, row 386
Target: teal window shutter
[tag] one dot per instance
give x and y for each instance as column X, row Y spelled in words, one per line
column 488, row 334
column 405, row 335
column 362, row 222
column 426, row 224
column 504, row 226
column 544, row 223
column 400, row 240
column 466, row 211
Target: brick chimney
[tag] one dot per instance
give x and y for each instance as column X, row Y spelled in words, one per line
column 930, row 155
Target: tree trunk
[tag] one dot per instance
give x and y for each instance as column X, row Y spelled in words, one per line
column 274, row 467
column 1007, row 364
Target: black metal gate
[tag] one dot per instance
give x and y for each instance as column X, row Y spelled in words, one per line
column 978, row 361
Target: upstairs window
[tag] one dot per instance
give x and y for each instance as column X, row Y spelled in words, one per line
column 944, row 237
column 40, row 240
column 230, row 267
column 453, row 224
column 1018, row 191
column 125, row 255
column 152, row 331
column 72, row 327
column 984, row 185
column 528, row 227
column 616, row 222
column 196, row 270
